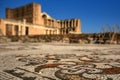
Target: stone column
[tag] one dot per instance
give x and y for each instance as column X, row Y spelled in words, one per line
column 19, row 28
column 75, row 22
column 23, row 27
column 78, row 26
column 72, row 23
column 57, row 31
column 68, row 23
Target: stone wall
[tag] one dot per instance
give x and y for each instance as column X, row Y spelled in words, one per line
column 30, row 12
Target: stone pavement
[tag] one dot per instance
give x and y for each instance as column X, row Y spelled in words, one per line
column 6, row 76
column 59, row 61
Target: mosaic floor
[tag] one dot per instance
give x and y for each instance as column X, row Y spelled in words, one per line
column 70, row 67
column 98, row 65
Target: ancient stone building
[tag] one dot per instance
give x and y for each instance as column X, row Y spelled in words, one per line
column 29, row 20
column 30, row 12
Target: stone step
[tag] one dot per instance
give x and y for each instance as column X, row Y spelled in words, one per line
column 6, row 76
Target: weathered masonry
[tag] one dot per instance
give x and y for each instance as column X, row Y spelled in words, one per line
column 29, row 20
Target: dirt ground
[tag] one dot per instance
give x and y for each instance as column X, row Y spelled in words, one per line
column 59, row 61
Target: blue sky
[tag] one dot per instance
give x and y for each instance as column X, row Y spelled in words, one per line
column 92, row 13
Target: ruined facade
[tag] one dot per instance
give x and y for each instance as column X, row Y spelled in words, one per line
column 29, row 20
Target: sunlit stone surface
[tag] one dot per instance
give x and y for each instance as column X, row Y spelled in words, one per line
column 59, row 61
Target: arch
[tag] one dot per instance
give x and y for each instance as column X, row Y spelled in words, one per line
column 44, row 16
